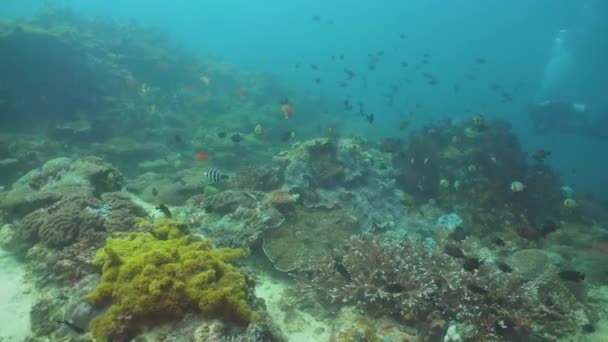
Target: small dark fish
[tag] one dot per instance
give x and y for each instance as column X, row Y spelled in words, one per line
column 456, row 88
column 548, row 226
column 496, row 87
column 454, row 251
column 498, row 241
column 402, row 36
column 404, row 64
column 236, row 138
column 339, row 267
column 349, row 74
column 285, row 136
column 154, row 192
column 380, row 53
column 342, row 84
column 72, row 326
column 426, row 55
column 394, row 288
column 571, row 275
column 503, row 267
column 540, row 155
column 284, row 100
column 480, row 60
column 370, row 118
column 314, row 67
column 215, row 175
column 471, row 264
column 178, row 139
column 371, row 67
column 165, row 210
column 477, row 289
column 341, row 56
column 404, row 124
column 222, row 135
column 316, row 18
column 317, row 80
column 297, row 65
column 458, row 234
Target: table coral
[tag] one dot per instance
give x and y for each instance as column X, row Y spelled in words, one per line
column 147, row 280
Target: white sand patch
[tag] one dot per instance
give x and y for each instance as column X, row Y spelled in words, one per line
column 304, row 328
column 15, row 300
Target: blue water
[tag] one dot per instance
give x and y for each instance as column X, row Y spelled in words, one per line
column 516, row 38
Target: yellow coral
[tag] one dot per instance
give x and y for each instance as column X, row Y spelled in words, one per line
column 167, row 228
column 148, row 279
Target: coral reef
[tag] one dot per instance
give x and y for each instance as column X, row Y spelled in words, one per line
column 58, row 178
column 234, row 218
column 65, row 221
column 145, row 279
column 421, row 285
column 308, row 234
column 344, row 173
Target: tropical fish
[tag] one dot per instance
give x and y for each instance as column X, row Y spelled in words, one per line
column 259, row 131
column 503, row 267
column 221, row 135
column 164, row 209
column 205, row 80
column 285, row 136
column 540, row 155
column 236, row 138
column 571, row 275
column 215, row 175
column 202, row 156
column 471, row 264
column 287, row 111
column 240, row 92
column 453, row 251
column 72, row 326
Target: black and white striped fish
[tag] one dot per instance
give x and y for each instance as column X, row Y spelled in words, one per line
column 215, row 175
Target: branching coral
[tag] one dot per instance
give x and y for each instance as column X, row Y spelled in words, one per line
column 145, row 279
column 422, row 285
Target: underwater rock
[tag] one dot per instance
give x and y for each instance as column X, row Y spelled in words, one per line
column 58, row 178
column 365, row 182
column 530, row 263
column 170, row 190
column 233, row 218
column 309, row 234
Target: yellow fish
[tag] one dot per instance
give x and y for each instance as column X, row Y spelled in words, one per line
column 205, row 80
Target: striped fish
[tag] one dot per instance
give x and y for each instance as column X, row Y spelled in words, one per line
column 215, row 175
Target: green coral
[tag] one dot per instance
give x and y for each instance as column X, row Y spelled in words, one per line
column 167, row 228
column 146, row 280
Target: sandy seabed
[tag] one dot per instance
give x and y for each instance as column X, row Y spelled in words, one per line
column 15, row 300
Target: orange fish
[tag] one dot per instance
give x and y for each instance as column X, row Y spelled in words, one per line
column 287, row 111
column 162, row 65
column 202, row 156
column 240, row 92
column 133, row 84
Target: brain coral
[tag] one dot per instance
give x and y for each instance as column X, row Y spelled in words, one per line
column 61, row 223
column 147, row 280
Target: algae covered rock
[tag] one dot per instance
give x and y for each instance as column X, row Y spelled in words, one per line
column 58, row 178
column 147, row 280
column 309, row 235
column 234, row 218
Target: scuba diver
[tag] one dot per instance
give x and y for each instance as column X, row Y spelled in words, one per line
column 567, row 118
